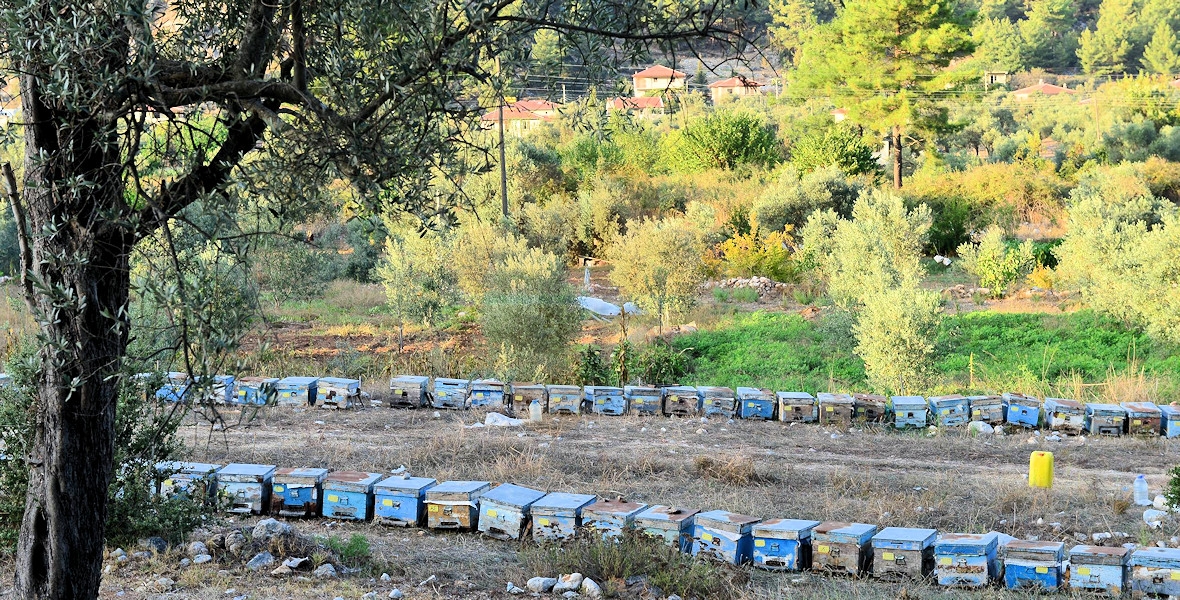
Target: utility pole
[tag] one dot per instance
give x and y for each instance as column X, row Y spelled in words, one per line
column 503, row 166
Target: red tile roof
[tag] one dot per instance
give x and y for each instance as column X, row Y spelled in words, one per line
column 535, row 105
column 840, row 112
column 659, row 71
column 735, row 82
column 513, row 114
column 1175, row 84
column 640, row 103
column 1041, row 87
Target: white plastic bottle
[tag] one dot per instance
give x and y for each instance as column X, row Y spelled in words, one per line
column 535, row 410
column 1141, row 496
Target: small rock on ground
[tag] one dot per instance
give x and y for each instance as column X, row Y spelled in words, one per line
column 590, row 588
column 201, row 559
column 262, row 559
column 568, row 583
column 325, row 570
column 541, row 585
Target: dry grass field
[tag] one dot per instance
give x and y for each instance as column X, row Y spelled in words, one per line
column 948, row 481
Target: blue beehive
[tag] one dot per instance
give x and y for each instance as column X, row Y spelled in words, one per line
column 605, row 400
column 611, row 517
column 1030, row 564
column 337, row 392
column 669, row 523
column 247, row 486
column 1098, row 568
column 718, row 401
column 950, row 410
column 1065, row 415
column 1143, row 418
column 1169, row 420
column 903, row 552
column 558, row 515
column 409, row 391
column 643, row 400
column 783, row 544
column 966, row 559
column 1024, row 411
column 195, row 480
column 842, row 547
column 988, row 409
column 724, row 536
column 909, row 411
column 450, row 393
column 296, row 391
column 348, row 495
column 1155, row 571
column 487, row 393
column 258, row 391
column 5, row 380
column 504, row 511
column 681, row 401
column 1105, row 419
column 754, row 403
column 297, row 492
column 564, row 399
column 401, row 500
column 455, row 504
column 219, row 389
column 796, row 407
column 176, row 388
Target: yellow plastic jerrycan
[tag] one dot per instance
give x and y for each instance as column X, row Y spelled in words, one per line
column 1040, row 469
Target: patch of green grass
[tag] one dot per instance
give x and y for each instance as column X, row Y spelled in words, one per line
column 745, row 295
column 353, row 552
column 721, row 294
column 784, row 351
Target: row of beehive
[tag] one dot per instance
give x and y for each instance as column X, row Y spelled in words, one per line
column 840, row 410
column 513, row 512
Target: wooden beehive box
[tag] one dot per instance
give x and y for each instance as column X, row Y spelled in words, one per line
column 455, row 504
column 1143, row 418
column 401, row 500
column 450, row 393
column 717, row 401
column 523, row 395
column 681, row 401
column 504, row 511
column 1032, row 564
column 1098, row 568
column 835, row 410
column 672, row 524
column 967, row 560
column 247, row 486
column 558, row 515
column 1024, row 411
column 487, row 393
column 605, row 400
column 1105, row 419
column 796, row 407
column 297, row 492
column 950, row 410
column 843, row 548
column 348, row 495
column 1155, row 571
column 783, row 544
column 724, row 536
column 903, row 553
column 910, row 412
column 869, row 408
column 1065, row 415
column 611, row 517
column 409, row 391
column 755, row 403
column 643, row 400
column 564, row 399
column 988, row 409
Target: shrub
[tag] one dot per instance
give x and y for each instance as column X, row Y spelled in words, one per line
column 836, row 146
column 1172, row 493
column 659, row 363
column 791, row 199
column 353, row 552
column 295, row 271
column 723, row 295
column 995, row 263
column 745, row 295
column 590, row 368
column 726, row 140
column 895, row 335
column 418, row 279
column 658, row 265
column 767, row 256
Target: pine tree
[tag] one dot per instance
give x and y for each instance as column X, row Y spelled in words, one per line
column 1162, row 54
column 1114, row 43
column 997, row 45
column 793, row 20
column 1047, row 32
column 884, row 57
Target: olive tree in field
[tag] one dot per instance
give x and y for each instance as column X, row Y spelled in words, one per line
column 657, row 264
column 275, row 97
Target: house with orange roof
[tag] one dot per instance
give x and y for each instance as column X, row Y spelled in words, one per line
column 644, row 106
column 1042, row 89
column 1175, row 84
column 516, row 120
column 839, row 114
column 537, row 106
column 734, row 87
column 657, row 79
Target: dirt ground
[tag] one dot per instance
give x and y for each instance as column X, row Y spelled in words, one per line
column 948, row 481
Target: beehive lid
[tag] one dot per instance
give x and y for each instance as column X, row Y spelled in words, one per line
column 869, row 398
column 620, row 508
column 399, row 483
column 409, row 380
column 795, row 396
column 1037, row 550
column 339, row 382
column 299, row 474
column 1021, row 399
column 846, row 533
column 986, row 400
column 298, row 381
column 1167, row 558
column 1169, row 411
column 726, row 521
column 909, row 402
column 948, row 399
column 970, row 544
column 527, row 387
column 256, row 381
column 351, row 480
column 488, row 385
column 188, row 468
column 1099, row 555
column 447, row 382
column 826, row 398
column 1141, row 409
column 711, row 391
column 246, row 470
column 749, row 393
column 1104, row 409
column 564, row 390
column 925, row 537
column 640, row 390
column 785, row 529
column 558, row 501
column 1063, row 404
column 603, row 390
column 513, row 495
column 680, row 390
column 457, row 490
column 662, row 513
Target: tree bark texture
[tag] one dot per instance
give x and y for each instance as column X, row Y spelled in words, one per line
column 895, row 147
column 78, row 277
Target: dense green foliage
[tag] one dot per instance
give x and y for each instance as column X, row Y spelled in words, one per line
column 997, row 264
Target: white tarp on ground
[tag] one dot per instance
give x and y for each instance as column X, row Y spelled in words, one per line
column 603, row 308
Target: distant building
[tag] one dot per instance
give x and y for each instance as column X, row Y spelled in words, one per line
column 658, row 79
column 839, row 114
column 1175, row 84
column 541, row 108
column 645, row 106
column 734, row 87
column 516, row 120
column 1049, row 148
column 994, row 78
column 1041, row 88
